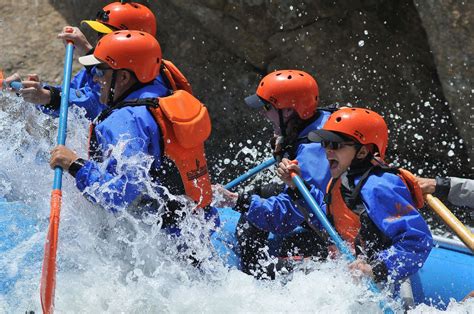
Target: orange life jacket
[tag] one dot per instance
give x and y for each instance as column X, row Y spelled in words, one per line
column 346, row 221
column 174, row 76
column 185, row 124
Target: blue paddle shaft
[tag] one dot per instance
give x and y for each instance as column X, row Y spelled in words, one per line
column 338, row 241
column 341, row 245
column 16, row 85
column 250, row 173
column 58, row 171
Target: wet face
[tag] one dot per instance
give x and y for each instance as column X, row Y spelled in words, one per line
column 340, row 156
column 103, row 76
column 123, row 81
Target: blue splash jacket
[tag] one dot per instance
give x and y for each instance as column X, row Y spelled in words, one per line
column 279, row 214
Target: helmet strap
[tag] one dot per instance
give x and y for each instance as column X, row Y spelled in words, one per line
column 282, row 123
column 110, row 99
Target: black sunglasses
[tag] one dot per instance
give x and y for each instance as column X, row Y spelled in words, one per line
column 336, row 145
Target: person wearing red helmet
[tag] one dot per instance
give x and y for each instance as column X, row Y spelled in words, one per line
column 372, row 206
column 123, row 15
column 127, row 141
column 84, row 92
column 289, row 100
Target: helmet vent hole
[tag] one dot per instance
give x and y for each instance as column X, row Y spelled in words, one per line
column 158, row 60
column 142, row 34
column 262, row 83
column 108, row 12
column 290, row 77
column 367, row 112
column 278, row 74
column 353, row 109
column 301, row 74
column 338, row 119
column 129, row 35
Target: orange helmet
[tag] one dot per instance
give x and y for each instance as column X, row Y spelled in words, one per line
column 364, row 125
column 124, row 15
column 288, row 89
column 136, row 51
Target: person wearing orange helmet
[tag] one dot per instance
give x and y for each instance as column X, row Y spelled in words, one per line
column 126, row 143
column 289, row 100
column 123, row 15
column 372, row 206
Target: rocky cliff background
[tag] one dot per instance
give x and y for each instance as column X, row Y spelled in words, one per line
column 410, row 60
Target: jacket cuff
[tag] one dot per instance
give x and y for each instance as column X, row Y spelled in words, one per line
column 442, row 187
column 380, row 271
column 55, row 101
column 76, row 166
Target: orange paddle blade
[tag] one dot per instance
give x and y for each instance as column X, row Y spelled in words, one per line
column 48, row 275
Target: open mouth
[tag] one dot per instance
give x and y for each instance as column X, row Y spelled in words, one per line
column 333, row 163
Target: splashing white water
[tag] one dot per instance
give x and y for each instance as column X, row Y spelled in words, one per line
column 118, row 263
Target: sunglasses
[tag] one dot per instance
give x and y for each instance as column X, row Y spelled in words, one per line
column 336, row 145
column 100, row 72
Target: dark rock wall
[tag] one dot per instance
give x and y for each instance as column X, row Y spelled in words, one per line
column 373, row 53
column 450, row 29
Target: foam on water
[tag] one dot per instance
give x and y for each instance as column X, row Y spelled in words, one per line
column 118, row 263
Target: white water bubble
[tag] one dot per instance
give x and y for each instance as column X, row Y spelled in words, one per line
column 361, row 43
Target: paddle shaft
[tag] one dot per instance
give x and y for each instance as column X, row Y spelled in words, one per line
column 48, row 276
column 15, row 85
column 251, row 172
column 338, row 241
column 448, row 217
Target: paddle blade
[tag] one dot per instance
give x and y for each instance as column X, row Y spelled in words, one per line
column 48, row 275
column 1, row 79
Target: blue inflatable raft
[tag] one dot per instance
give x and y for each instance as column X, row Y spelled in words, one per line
column 447, row 274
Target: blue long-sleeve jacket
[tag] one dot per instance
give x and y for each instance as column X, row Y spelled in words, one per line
column 129, row 140
column 278, row 214
column 389, row 205
column 83, row 93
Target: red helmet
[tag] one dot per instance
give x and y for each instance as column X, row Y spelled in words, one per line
column 366, row 126
column 288, row 89
column 124, row 15
column 136, row 51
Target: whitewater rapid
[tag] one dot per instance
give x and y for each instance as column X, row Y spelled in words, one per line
column 117, row 263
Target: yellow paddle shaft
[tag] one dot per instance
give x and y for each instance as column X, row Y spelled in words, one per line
column 448, row 217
